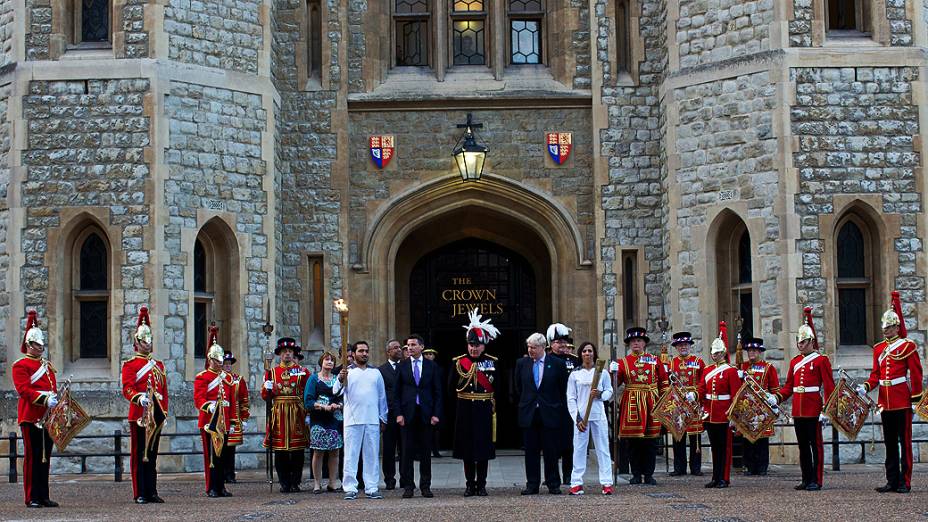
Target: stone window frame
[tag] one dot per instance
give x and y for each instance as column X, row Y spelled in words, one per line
column 66, row 27
column 629, row 75
column 879, row 30
column 63, row 242
column 79, row 295
column 730, row 228
column 224, row 265
column 307, row 79
column 880, row 230
column 314, row 308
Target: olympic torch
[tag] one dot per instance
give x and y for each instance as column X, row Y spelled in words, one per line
column 342, row 308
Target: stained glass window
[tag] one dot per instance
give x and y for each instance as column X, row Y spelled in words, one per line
column 469, row 45
column 95, row 21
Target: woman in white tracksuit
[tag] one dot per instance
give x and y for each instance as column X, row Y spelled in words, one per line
column 578, row 393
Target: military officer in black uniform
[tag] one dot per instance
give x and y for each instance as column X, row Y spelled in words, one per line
column 561, row 344
column 475, row 419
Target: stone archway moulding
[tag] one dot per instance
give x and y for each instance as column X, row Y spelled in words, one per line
column 422, row 202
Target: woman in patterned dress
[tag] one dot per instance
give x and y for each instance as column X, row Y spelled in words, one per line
column 325, row 415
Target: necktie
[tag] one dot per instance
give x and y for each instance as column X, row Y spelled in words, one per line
column 537, row 372
column 415, row 375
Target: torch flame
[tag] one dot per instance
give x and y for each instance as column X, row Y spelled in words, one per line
column 341, row 306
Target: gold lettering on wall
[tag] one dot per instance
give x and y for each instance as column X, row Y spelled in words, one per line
column 463, row 300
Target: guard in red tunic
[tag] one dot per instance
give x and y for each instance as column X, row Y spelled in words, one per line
column 211, row 393
column 687, row 369
column 645, row 380
column 809, row 378
column 145, row 386
column 287, row 435
column 894, row 359
column 717, row 386
column 757, row 454
column 240, row 414
column 34, row 379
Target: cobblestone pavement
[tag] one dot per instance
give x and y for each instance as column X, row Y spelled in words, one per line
column 848, row 494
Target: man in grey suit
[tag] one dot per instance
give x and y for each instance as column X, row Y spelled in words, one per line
column 541, row 384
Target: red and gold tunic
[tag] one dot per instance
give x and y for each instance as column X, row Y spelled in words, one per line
column 34, row 380
column 893, row 361
column 809, row 377
column 645, row 379
column 287, row 430
column 766, row 375
column 206, row 389
column 136, row 373
column 239, row 407
column 717, row 387
column 688, row 371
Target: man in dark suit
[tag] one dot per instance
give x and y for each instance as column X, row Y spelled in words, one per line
column 541, row 384
column 391, row 435
column 417, row 399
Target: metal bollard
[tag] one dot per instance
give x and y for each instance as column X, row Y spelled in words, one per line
column 117, row 452
column 13, row 458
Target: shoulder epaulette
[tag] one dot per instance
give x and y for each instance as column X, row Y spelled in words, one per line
column 459, row 357
column 488, row 356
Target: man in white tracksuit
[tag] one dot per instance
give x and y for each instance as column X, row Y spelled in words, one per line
column 579, row 386
column 365, row 414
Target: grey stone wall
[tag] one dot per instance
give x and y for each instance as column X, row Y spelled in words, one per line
column 308, row 200
column 855, row 129
column 725, row 141
column 900, row 27
column 800, row 27
column 7, row 29
column 214, row 154
column 40, row 29
column 713, row 31
column 225, row 35
column 85, row 148
column 631, row 200
column 133, row 27
column 6, row 140
column 580, row 45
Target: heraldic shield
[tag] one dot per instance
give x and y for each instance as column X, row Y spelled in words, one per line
column 382, row 149
column 676, row 413
column 559, row 146
column 750, row 413
column 847, row 410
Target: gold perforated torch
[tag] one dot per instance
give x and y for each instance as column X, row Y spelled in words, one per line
column 342, row 308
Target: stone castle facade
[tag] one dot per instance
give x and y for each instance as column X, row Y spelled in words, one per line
column 732, row 159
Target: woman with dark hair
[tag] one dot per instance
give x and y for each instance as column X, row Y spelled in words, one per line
column 325, row 416
column 580, row 387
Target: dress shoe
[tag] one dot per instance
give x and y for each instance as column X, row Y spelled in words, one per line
column 696, row 473
column 390, row 485
column 635, row 480
column 156, row 499
column 529, row 491
column 469, row 492
column 677, row 473
column 213, row 494
column 813, row 487
column 35, row 504
column 481, row 491
column 554, row 491
column 723, row 484
column 226, row 493
column 900, row 489
column 713, row 484
column 141, row 500
column 407, row 493
column 295, row 489
column 284, row 489
column 52, row 503
column 426, row 492
column 801, row 486
column 650, row 481
column 886, row 488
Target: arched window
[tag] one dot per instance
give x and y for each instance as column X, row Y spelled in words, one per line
column 90, row 295
column 215, row 269
column 734, row 275
column 856, row 263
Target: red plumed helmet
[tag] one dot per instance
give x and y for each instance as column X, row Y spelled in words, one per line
column 32, row 322
column 897, row 307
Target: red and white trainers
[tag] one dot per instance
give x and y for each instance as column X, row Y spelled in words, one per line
column 607, row 490
column 576, row 490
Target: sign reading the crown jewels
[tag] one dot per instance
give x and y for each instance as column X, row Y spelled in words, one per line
column 382, row 149
column 559, row 146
